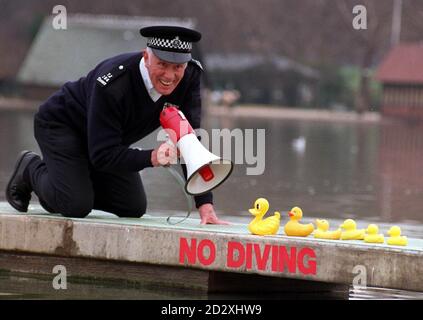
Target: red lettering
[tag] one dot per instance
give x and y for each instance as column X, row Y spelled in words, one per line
column 249, row 263
column 188, row 251
column 212, row 252
column 275, row 250
column 261, row 260
column 231, row 261
column 285, row 259
column 311, row 269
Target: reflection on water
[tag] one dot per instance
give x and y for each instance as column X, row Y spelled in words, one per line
column 341, row 170
column 31, row 286
column 332, row 170
column 14, row 286
column 361, row 293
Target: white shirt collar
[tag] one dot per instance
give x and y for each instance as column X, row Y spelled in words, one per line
column 154, row 95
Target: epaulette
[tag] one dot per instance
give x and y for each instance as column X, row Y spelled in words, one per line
column 197, row 63
column 110, row 76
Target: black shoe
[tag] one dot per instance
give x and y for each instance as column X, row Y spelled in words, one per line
column 18, row 191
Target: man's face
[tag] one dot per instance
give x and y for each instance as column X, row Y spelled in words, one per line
column 165, row 76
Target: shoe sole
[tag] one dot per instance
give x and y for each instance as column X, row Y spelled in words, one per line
column 18, row 163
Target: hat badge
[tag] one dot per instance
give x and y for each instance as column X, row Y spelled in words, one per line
column 176, row 43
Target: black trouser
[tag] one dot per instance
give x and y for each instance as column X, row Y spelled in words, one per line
column 66, row 182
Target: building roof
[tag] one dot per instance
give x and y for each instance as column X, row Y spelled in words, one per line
column 244, row 61
column 58, row 56
column 403, row 64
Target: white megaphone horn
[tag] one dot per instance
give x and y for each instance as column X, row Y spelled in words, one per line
column 205, row 170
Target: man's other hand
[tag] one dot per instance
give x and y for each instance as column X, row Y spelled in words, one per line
column 164, row 155
column 208, row 215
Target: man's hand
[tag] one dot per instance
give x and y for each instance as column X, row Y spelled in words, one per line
column 164, row 155
column 208, row 215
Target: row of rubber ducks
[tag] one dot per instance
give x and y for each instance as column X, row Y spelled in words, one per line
column 347, row 231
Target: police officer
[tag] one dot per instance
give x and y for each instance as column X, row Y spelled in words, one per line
column 85, row 130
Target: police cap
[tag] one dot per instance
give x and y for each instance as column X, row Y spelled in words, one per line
column 171, row 43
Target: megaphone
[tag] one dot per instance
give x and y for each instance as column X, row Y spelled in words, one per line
column 205, row 170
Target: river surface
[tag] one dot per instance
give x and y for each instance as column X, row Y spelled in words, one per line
column 371, row 172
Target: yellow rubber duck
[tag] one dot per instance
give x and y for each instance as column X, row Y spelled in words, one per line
column 351, row 232
column 267, row 226
column 395, row 238
column 323, row 233
column 294, row 228
column 373, row 235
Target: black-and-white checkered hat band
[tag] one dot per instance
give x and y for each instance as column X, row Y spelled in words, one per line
column 170, row 44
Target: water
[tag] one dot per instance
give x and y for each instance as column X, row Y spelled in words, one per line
column 342, row 170
column 32, row 286
column 371, row 172
column 14, row 286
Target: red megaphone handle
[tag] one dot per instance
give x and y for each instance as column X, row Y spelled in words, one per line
column 175, row 123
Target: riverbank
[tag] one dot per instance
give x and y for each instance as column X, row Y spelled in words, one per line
column 283, row 113
column 18, row 104
column 252, row 111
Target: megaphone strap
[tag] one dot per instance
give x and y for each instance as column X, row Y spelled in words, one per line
column 190, row 204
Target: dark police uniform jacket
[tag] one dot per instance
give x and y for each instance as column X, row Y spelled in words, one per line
column 110, row 109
